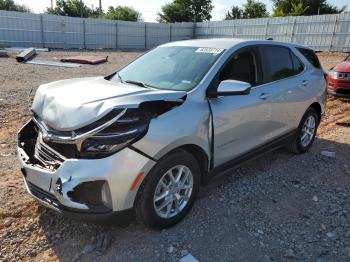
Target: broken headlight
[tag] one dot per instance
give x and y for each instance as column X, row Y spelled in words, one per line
column 126, row 130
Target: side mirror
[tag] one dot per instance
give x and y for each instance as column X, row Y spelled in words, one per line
column 233, row 87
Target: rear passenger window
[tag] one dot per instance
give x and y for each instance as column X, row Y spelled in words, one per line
column 310, row 56
column 279, row 63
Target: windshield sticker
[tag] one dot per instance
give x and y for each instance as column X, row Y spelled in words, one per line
column 208, row 50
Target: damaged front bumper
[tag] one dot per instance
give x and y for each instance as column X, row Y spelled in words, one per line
column 79, row 187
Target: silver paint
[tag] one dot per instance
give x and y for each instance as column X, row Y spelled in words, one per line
column 238, row 123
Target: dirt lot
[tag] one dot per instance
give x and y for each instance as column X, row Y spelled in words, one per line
column 280, row 207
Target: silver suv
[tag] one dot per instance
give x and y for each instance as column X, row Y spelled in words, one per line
column 145, row 138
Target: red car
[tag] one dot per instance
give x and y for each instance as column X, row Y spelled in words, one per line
column 338, row 79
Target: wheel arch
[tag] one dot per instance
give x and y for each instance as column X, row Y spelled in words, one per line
column 200, row 155
column 318, row 109
column 198, row 152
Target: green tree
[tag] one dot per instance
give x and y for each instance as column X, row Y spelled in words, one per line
column 74, row 8
column 235, row 13
column 304, row 7
column 298, row 8
column 10, row 5
column 186, row 11
column 254, row 9
column 251, row 9
column 124, row 13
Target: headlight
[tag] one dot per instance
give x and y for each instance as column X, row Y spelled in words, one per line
column 335, row 74
column 126, row 130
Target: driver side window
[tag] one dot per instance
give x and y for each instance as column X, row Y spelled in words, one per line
column 243, row 66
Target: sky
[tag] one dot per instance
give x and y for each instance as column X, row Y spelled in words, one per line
column 150, row 8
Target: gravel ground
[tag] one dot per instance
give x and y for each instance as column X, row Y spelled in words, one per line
column 280, row 207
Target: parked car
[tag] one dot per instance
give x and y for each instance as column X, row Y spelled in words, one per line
column 338, row 79
column 145, row 138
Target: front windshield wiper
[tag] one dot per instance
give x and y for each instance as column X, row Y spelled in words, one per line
column 137, row 83
column 120, row 78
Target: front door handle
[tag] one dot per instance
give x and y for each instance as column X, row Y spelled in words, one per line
column 304, row 82
column 264, row 96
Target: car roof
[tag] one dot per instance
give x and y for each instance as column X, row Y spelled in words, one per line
column 225, row 43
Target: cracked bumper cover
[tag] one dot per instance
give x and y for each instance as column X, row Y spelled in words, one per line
column 118, row 171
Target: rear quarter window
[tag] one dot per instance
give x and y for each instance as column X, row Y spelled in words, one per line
column 311, row 57
column 280, row 63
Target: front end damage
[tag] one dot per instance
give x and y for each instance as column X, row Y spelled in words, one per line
column 89, row 169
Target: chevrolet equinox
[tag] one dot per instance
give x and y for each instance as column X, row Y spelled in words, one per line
column 145, row 138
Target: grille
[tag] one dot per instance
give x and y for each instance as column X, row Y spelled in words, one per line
column 343, row 91
column 47, row 156
column 344, row 75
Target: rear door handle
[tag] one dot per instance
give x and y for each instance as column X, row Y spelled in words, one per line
column 304, row 82
column 264, row 96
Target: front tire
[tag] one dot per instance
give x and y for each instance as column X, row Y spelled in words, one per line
column 168, row 191
column 306, row 132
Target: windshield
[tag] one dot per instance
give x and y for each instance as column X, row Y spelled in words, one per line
column 174, row 68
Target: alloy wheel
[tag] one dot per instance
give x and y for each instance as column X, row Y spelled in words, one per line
column 173, row 191
column 308, row 131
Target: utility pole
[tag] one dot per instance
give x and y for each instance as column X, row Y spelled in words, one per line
column 100, row 7
column 81, row 8
column 51, row 4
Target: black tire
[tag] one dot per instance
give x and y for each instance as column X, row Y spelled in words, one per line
column 296, row 146
column 144, row 206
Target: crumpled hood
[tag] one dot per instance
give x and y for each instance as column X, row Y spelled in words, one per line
column 343, row 67
column 71, row 104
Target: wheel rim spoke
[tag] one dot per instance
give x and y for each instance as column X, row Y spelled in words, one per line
column 177, row 204
column 161, row 196
column 168, row 209
column 179, row 174
column 165, row 204
column 172, row 179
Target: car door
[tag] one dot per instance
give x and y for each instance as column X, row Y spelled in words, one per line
column 284, row 78
column 239, row 121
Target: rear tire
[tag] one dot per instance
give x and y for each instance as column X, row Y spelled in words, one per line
column 173, row 183
column 306, row 132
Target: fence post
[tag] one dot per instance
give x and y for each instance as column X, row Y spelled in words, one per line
column 266, row 28
column 333, row 33
column 233, row 29
column 84, row 33
column 116, row 35
column 293, row 28
column 208, row 31
column 170, row 32
column 145, row 35
column 42, row 31
column 194, row 30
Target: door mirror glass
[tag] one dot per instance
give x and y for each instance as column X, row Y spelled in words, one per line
column 233, row 87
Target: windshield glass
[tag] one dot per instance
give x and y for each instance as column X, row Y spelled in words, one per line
column 175, row 67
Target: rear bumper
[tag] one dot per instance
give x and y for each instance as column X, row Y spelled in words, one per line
column 55, row 188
